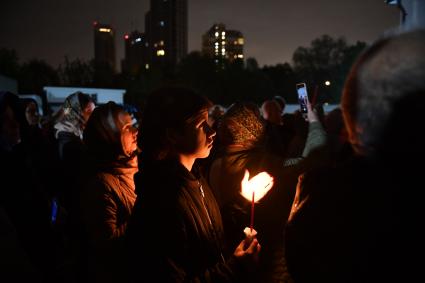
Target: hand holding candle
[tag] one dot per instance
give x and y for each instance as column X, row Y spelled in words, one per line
column 255, row 189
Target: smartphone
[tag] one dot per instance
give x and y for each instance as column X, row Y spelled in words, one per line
column 302, row 97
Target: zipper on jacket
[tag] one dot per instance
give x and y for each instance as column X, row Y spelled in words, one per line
column 204, row 205
column 209, row 218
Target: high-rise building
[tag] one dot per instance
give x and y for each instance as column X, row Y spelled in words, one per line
column 104, row 46
column 136, row 50
column 222, row 44
column 234, row 48
column 166, row 30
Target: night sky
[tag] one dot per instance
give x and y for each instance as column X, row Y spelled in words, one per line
column 273, row 29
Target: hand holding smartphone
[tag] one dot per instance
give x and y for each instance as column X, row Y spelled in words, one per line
column 302, row 97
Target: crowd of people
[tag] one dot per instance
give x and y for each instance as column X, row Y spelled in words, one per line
column 89, row 196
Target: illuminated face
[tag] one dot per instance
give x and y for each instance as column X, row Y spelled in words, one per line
column 128, row 134
column 197, row 138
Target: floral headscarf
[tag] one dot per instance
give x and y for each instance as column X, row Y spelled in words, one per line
column 241, row 125
column 72, row 120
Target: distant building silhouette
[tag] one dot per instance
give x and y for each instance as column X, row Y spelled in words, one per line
column 136, row 49
column 104, row 46
column 166, row 31
column 221, row 44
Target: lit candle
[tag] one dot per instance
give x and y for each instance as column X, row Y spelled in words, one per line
column 255, row 189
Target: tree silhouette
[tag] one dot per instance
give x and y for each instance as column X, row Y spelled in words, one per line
column 9, row 63
column 283, row 79
column 76, row 73
column 36, row 74
column 327, row 59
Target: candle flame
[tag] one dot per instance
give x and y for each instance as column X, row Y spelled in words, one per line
column 260, row 184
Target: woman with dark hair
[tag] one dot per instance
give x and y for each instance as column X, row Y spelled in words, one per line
column 109, row 192
column 176, row 232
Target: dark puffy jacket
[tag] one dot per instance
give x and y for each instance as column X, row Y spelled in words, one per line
column 176, row 232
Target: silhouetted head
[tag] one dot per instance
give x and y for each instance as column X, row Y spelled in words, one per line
column 272, row 111
column 10, row 120
column 382, row 76
column 167, row 111
column 281, row 101
column 241, row 125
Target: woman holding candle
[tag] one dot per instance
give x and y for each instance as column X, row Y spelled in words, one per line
column 176, row 232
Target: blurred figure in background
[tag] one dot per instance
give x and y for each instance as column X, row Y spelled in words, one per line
column 77, row 108
column 282, row 103
column 24, row 204
column 215, row 113
column 361, row 220
column 278, row 136
column 272, row 112
column 31, row 112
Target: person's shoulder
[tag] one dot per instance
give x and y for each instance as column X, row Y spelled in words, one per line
column 338, row 177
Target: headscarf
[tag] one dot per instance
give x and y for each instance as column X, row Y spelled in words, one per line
column 102, row 136
column 241, row 125
column 72, row 120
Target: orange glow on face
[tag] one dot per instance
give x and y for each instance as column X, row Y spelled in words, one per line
column 260, row 184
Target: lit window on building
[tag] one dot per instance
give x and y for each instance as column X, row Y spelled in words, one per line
column 240, row 56
column 161, row 43
column 223, row 50
column 139, row 39
column 216, row 34
column 162, row 23
column 160, row 52
column 223, row 42
column 240, row 41
column 147, row 44
column 147, row 66
column 105, row 30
